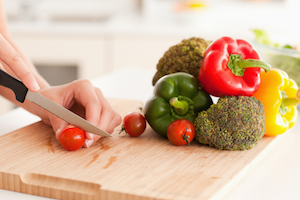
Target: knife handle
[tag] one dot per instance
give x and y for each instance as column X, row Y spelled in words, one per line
column 14, row 84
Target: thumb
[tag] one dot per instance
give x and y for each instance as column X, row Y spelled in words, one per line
column 57, row 125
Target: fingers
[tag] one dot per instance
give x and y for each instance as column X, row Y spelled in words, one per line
column 62, row 96
column 12, row 59
column 57, row 125
column 88, row 98
column 109, row 126
column 109, row 119
column 87, row 101
column 97, row 111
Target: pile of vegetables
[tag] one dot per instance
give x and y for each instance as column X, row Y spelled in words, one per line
column 254, row 99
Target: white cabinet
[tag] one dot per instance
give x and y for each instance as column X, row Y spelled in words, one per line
column 97, row 54
column 140, row 51
column 85, row 52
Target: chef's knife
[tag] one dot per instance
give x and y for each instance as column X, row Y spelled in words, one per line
column 22, row 93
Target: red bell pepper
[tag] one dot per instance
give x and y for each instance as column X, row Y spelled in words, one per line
column 231, row 67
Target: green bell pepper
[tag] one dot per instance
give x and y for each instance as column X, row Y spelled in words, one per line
column 175, row 96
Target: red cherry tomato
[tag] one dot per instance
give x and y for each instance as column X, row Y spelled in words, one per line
column 134, row 124
column 71, row 138
column 181, row 132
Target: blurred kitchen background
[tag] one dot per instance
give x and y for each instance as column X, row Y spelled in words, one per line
column 74, row 39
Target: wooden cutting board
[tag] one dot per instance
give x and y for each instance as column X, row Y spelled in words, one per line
column 148, row 167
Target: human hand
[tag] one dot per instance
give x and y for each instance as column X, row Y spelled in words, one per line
column 12, row 59
column 85, row 100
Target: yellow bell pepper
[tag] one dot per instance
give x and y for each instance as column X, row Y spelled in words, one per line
column 280, row 96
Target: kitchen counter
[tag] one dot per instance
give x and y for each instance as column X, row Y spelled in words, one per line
column 275, row 177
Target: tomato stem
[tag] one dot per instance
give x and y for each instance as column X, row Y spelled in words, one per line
column 123, row 130
column 186, row 138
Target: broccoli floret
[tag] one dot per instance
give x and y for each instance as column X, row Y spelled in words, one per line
column 234, row 123
column 186, row 57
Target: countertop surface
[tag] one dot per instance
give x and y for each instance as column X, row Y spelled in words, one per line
column 275, row 177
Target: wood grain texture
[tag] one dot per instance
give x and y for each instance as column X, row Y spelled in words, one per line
column 148, row 167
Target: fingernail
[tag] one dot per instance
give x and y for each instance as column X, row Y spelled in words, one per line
column 58, row 131
column 35, row 86
column 88, row 143
column 91, row 135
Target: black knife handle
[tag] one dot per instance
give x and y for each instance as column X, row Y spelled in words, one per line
column 14, row 84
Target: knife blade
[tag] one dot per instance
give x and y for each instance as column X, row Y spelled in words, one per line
column 22, row 93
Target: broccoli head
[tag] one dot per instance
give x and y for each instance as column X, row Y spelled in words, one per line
column 234, row 123
column 183, row 57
